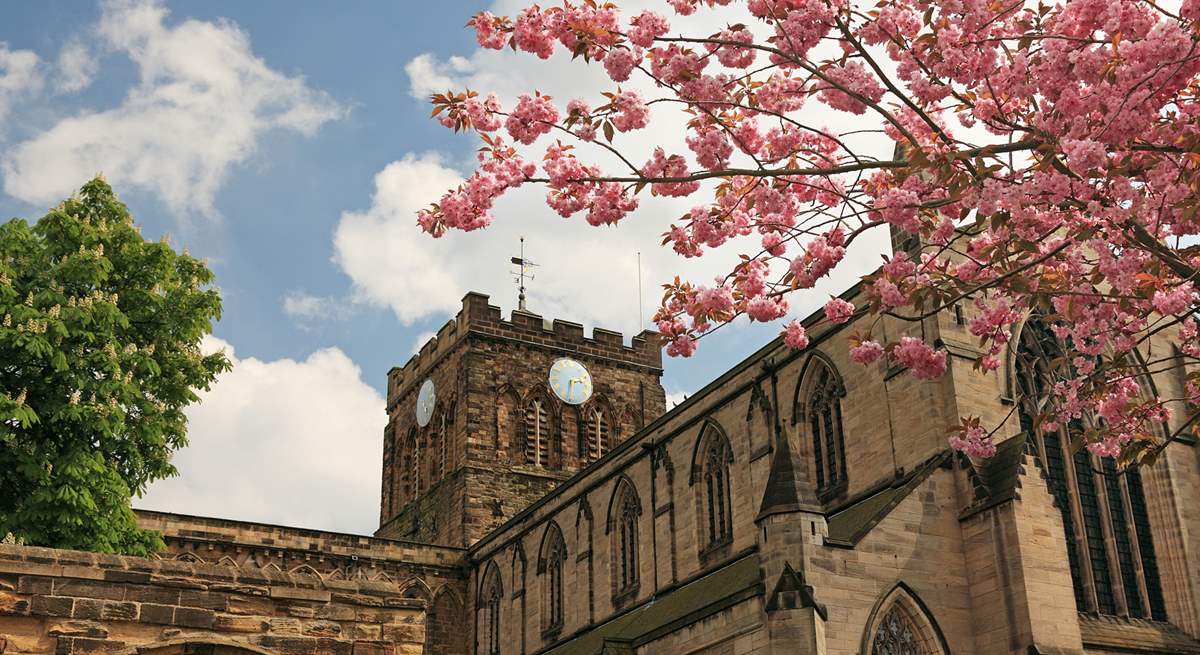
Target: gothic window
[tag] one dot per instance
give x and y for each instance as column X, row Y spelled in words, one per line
column 550, row 565
column 710, row 470
column 895, row 635
column 597, row 433
column 822, row 414
column 902, row 626
column 1100, row 506
column 491, row 593
column 623, row 525
column 537, row 433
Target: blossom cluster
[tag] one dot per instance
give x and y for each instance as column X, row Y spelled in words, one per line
column 1073, row 196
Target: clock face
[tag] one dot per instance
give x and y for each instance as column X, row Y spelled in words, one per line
column 426, row 399
column 570, row 381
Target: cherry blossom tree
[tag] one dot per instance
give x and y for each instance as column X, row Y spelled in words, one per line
column 1045, row 158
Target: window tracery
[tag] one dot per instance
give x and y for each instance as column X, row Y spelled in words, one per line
column 822, row 410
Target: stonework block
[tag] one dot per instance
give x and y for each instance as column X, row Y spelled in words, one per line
column 52, row 606
column 119, row 611
column 238, row 623
column 368, row 647
column 160, row 614
column 191, row 617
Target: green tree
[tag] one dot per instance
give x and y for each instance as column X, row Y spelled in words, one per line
column 99, row 355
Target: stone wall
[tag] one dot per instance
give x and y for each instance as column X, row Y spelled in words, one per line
column 70, row 602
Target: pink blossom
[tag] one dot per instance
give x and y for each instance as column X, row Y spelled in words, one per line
column 766, row 308
column 683, row 7
column 734, row 56
column 794, row 336
column 974, row 442
column 1084, row 155
column 487, row 32
column 484, row 114
column 647, row 26
column 838, row 311
column 631, row 112
column 773, row 243
column 924, row 362
column 1178, row 300
column 856, row 79
column 711, row 146
column 889, row 294
column 532, row 117
column 866, row 352
column 531, row 33
column 620, row 62
column 660, row 165
column 681, row 346
column 610, row 202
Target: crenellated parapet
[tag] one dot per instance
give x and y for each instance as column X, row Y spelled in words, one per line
column 479, row 318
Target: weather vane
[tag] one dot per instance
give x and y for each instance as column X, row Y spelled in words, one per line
column 520, row 275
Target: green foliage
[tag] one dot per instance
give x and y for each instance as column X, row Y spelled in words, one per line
column 99, row 355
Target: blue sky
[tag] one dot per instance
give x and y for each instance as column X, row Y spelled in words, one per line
column 289, row 143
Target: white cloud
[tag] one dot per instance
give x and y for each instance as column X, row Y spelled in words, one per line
column 427, row 75
column 421, row 340
column 283, row 441
column 75, row 69
column 306, row 307
column 203, row 103
column 19, row 75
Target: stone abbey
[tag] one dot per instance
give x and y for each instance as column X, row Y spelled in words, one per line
column 797, row 504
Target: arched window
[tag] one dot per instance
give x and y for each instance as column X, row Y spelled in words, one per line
column 821, row 413
column 439, row 466
column 490, row 594
column 900, row 625
column 408, row 467
column 597, row 433
column 550, row 567
column 1099, row 505
column 537, row 433
column 710, row 468
column 624, row 512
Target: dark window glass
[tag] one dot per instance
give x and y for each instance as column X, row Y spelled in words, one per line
column 1120, row 530
column 1141, row 521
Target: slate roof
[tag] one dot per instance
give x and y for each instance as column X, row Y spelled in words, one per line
column 851, row 522
column 1122, row 635
column 688, row 604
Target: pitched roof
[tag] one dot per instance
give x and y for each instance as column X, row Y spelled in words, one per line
column 1135, row 636
column 703, row 597
column 852, row 522
column 787, row 489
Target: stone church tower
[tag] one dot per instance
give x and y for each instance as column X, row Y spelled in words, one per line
column 496, row 436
